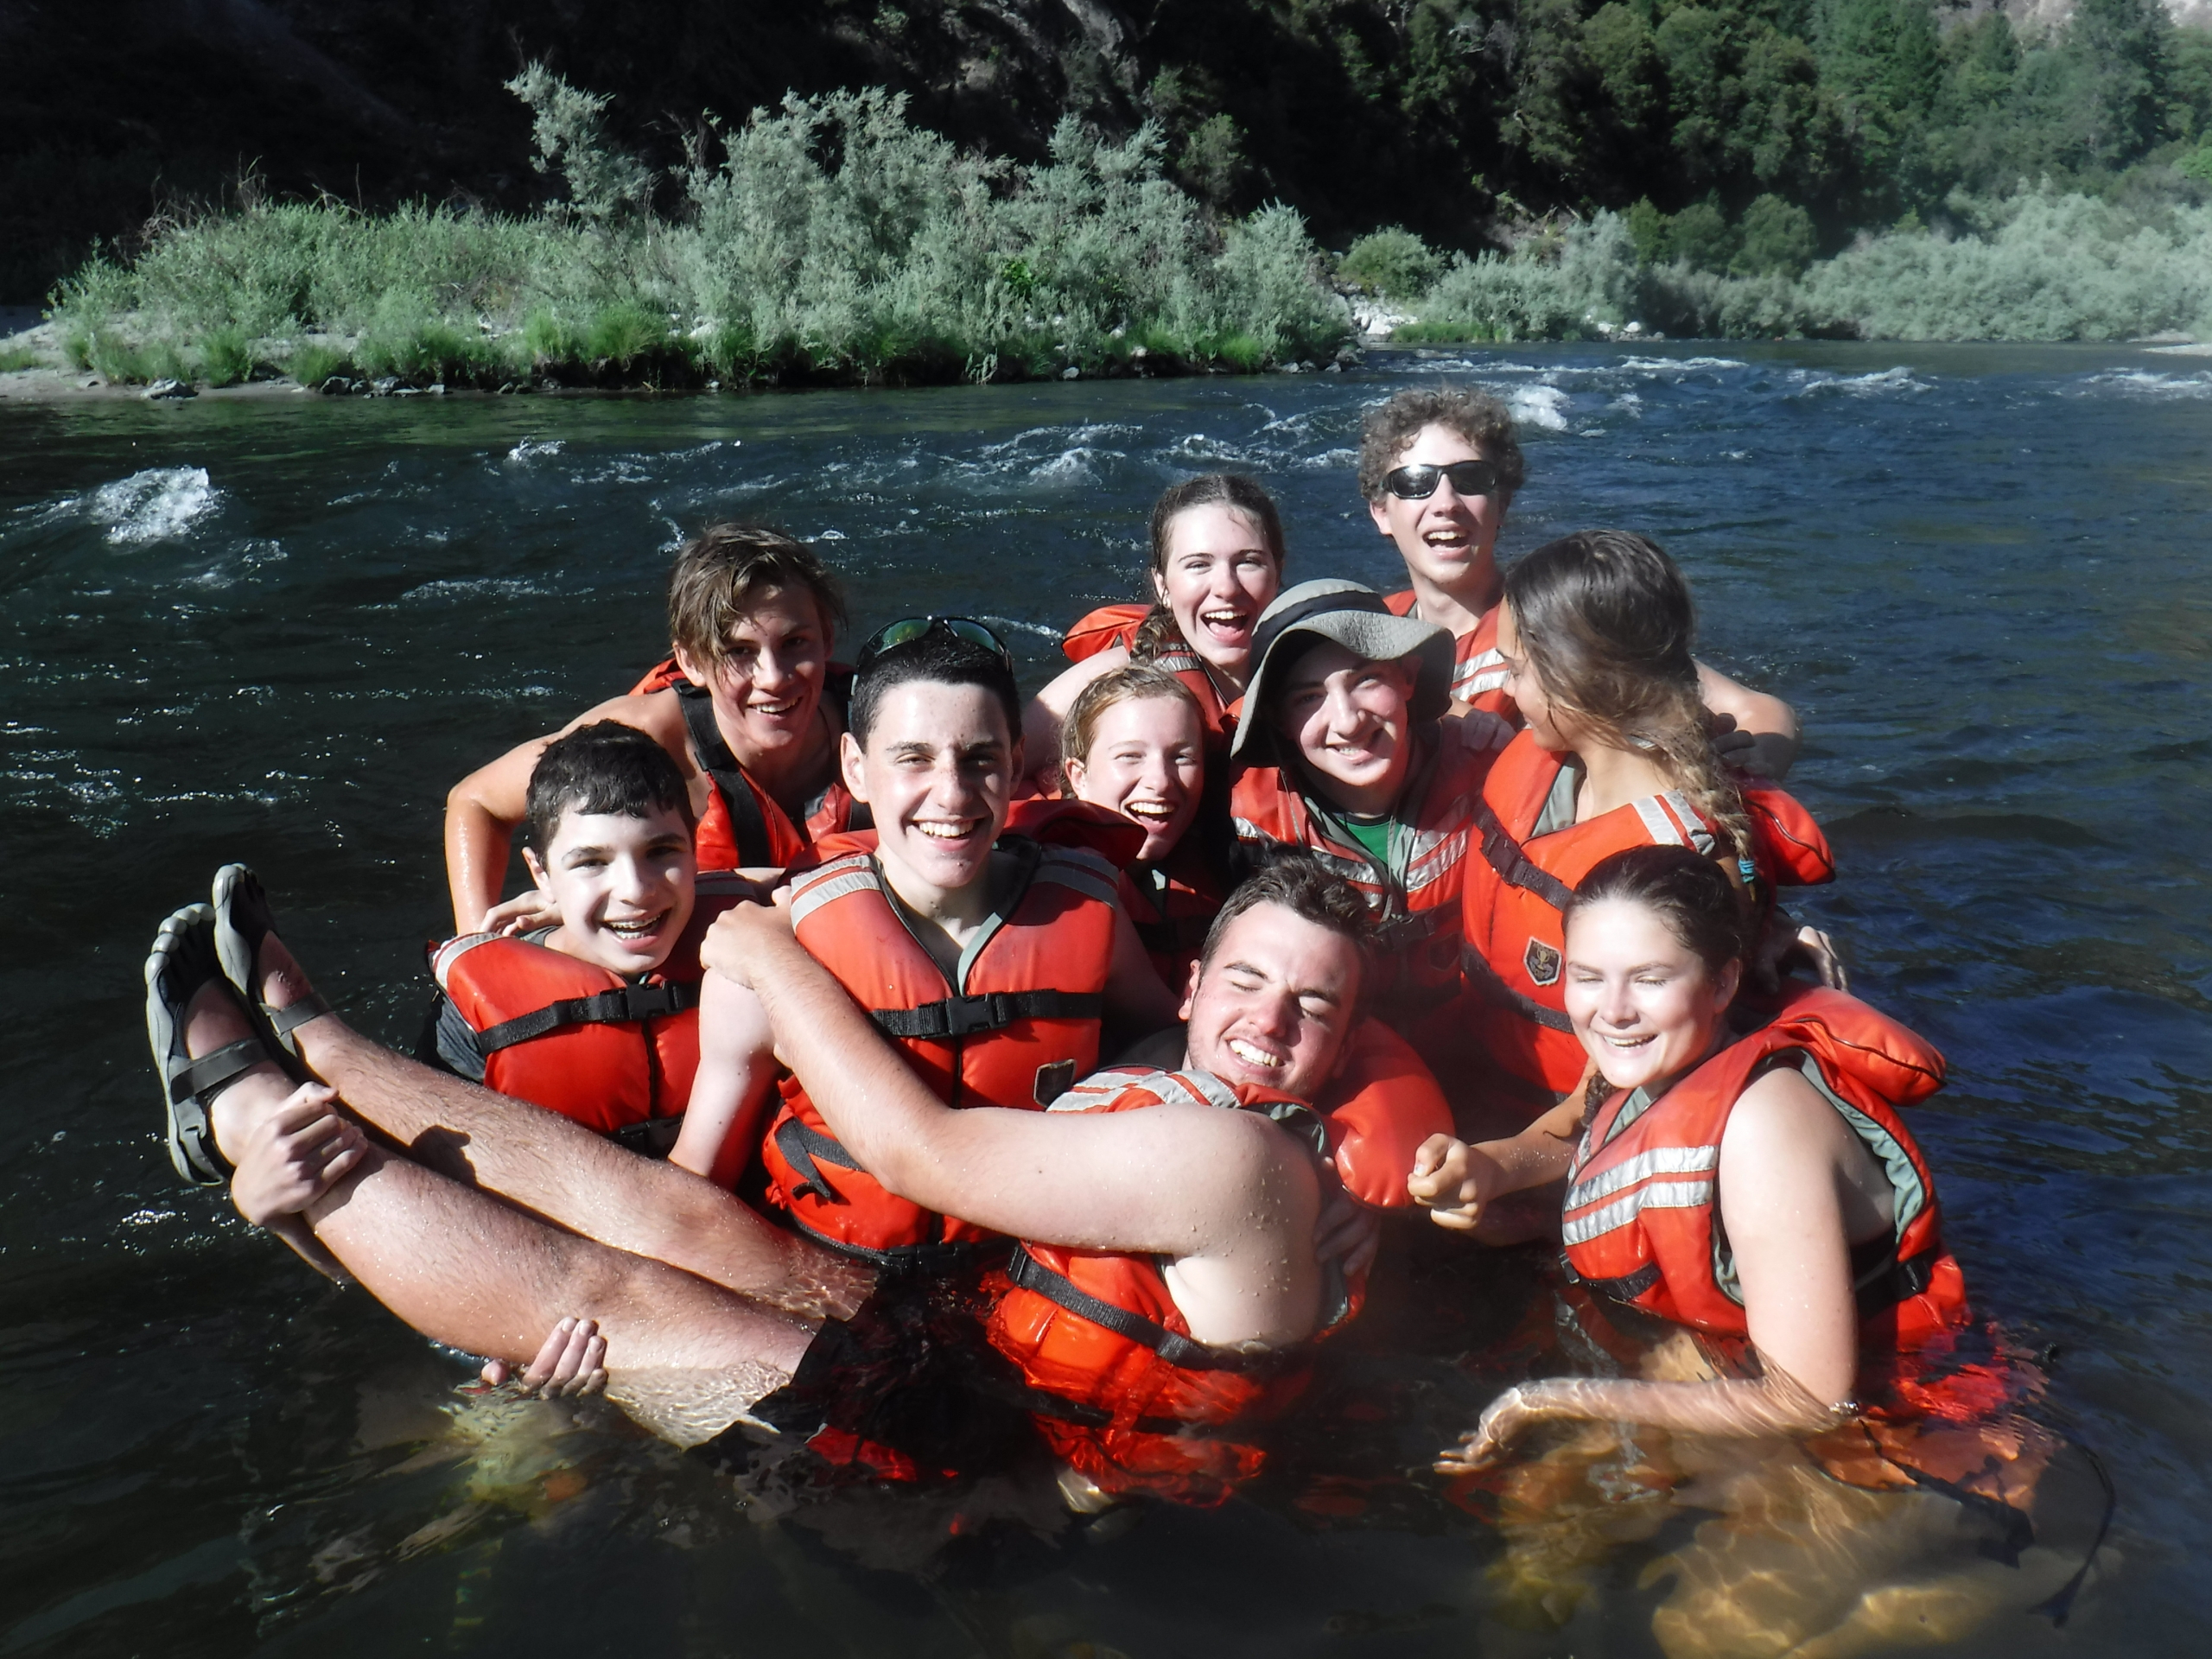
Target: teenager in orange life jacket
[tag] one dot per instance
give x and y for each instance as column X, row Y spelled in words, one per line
column 739, row 706
column 993, row 958
column 1760, row 1189
column 1134, row 743
column 1595, row 630
column 1217, row 559
column 594, row 1015
column 1347, row 747
column 1437, row 468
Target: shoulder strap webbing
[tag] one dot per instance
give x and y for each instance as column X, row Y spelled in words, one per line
column 801, row 1144
column 630, row 1002
column 1504, row 855
column 1484, row 980
column 746, row 825
column 1026, row 1271
column 964, row 1016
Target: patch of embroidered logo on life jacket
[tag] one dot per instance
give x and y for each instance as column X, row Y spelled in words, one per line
column 1053, row 1080
column 1542, row 961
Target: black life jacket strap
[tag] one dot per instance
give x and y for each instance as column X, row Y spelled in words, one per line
column 965, row 1016
column 1503, row 854
column 1626, row 1289
column 940, row 1257
column 653, row 1137
column 1895, row 1281
column 748, row 827
column 630, row 1002
column 801, row 1144
column 1026, row 1271
column 1484, row 980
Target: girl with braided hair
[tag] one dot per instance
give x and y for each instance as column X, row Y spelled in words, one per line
column 1595, row 634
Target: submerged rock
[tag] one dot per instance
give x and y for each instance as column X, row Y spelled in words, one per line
column 169, row 389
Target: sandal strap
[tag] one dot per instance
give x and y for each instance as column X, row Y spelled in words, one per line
column 209, row 1074
column 289, row 1018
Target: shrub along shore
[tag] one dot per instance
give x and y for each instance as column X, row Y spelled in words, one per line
column 832, row 241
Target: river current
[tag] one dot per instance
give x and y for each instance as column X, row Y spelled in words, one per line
column 279, row 634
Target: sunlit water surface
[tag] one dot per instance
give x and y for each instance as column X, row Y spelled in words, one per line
column 279, row 633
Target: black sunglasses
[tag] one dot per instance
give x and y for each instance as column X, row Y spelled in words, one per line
column 908, row 629
column 1418, row 483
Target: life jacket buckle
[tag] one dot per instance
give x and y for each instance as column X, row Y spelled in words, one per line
column 964, row 1016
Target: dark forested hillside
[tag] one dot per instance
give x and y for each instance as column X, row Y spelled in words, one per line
column 1779, row 125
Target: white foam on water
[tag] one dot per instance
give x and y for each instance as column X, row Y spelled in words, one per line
column 1629, row 403
column 531, row 449
column 1679, row 364
column 1863, row 385
column 153, row 506
column 1003, row 623
column 476, row 587
column 1541, row 406
column 1068, row 467
column 2150, row 384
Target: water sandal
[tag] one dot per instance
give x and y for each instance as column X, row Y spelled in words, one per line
column 242, row 919
column 182, row 960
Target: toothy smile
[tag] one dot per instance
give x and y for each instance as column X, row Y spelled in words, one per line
column 637, row 927
column 1150, row 811
column 1251, row 1056
column 939, row 830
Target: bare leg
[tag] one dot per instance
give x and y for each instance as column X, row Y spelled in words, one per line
column 686, row 1357
column 550, row 1165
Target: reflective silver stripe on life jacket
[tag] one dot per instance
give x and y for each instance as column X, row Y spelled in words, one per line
column 1663, row 830
column 855, row 872
column 1085, row 871
column 443, row 959
column 1659, row 1161
column 1660, row 1195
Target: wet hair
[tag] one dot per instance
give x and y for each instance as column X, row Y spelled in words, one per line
column 1690, row 894
column 604, row 767
column 726, row 569
column 1606, row 624
column 1158, row 633
column 940, row 658
column 1387, row 428
column 1293, row 878
column 1134, row 683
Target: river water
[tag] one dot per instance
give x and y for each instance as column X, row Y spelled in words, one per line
column 279, row 633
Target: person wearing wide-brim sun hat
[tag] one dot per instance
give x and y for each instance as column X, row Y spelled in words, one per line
column 1347, row 746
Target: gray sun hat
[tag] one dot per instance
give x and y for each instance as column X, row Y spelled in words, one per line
column 1351, row 616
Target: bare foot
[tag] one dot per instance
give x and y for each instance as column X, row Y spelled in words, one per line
column 212, row 1020
column 283, row 982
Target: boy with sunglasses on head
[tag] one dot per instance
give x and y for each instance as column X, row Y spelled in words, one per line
column 1439, row 466
column 739, row 705
column 992, row 959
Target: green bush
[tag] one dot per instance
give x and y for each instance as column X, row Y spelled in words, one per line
column 226, row 356
column 13, row 358
column 1394, row 263
column 2043, row 266
column 1777, row 235
column 626, row 331
column 314, row 363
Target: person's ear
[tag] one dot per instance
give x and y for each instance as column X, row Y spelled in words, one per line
column 536, row 866
column 700, row 677
column 1072, row 774
column 1725, row 987
column 1160, row 588
column 1378, row 509
column 848, row 764
column 1191, row 992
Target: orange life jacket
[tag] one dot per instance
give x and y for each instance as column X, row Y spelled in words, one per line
column 1519, row 883
column 1172, row 904
column 1125, row 1396
column 1117, row 625
column 1415, row 897
column 1477, row 666
column 616, row 1055
column 1643, row 1188
column 743, row 827
column 1017, row 1031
